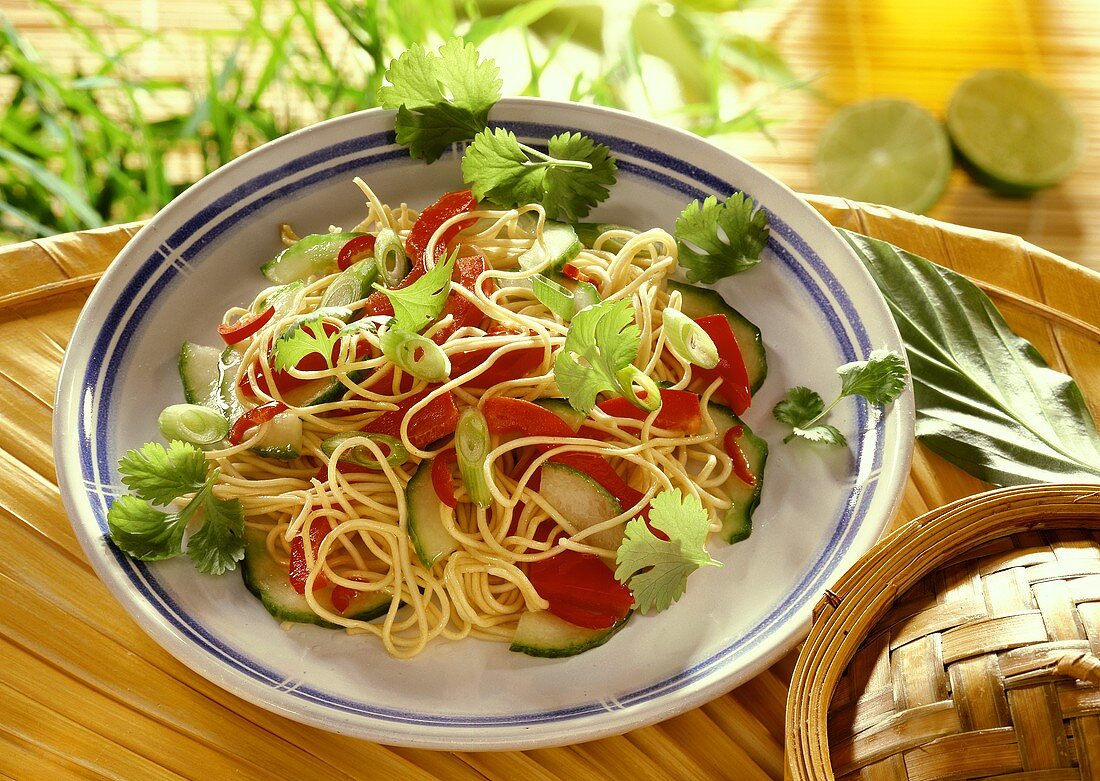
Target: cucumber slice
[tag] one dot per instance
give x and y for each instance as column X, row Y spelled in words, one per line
column 560, row 245
column 307, row 257
column 581, row 501
column 283, row 438
column 323, row 391
column 565, row 411
column 353, row 284
column 699, row 302
column 269, row 581
column 543, row 634
column 228, row 400
column 737, row 523
column 588, row 232
column 200, row 373
column 430, row 538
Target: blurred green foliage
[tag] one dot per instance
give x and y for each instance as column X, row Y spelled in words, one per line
column 107, row 144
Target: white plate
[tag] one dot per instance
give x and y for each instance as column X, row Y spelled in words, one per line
column 821, row 508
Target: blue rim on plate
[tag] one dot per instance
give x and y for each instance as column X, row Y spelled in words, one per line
column 87, row 397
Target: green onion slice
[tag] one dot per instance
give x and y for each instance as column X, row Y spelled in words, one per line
column 415, row 354
column 688, row 340
column 650, row 397
column 553, row 296
column 389, row 253
column 363, row 455
column 472, row 446
column 193, row 423
column 559, row 300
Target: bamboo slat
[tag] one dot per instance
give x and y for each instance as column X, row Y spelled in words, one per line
column 85, row 693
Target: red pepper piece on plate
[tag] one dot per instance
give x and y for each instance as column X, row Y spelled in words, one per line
column 734, row 391
column 246, row 326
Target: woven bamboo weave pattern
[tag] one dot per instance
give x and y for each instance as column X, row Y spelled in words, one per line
column 960, row 676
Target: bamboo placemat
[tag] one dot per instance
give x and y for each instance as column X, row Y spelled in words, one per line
column 84, row 692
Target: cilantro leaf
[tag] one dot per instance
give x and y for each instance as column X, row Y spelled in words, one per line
column 718, row 239
column 219, row 543
column 441, row 98
column 144, row 532
column 602, row 341
column 161, row 475
column 304, row 339
column 657, row 570
column 421, row 302
column 801, row 406
column 568, row 180
column 880, row 379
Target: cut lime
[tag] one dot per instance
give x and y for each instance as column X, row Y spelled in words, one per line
column 884, row 151
column 1018, row 134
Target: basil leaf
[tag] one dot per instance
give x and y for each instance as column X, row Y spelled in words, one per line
column 986, row 400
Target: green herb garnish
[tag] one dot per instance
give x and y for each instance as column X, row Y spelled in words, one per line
column 159, row 476
column 568, row 179
column 657, row 570
column 421, row 302
column 441, row 98
column 879, row 379
column 598, row 354
column 304, row 339
column 718, row 239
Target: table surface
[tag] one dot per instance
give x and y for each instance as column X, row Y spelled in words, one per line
column 84, row 692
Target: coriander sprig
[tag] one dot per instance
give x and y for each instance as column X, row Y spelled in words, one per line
column 160, row 476
column 657, row 570
column 880, row 379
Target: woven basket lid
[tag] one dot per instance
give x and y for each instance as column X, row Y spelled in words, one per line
column 964, row 645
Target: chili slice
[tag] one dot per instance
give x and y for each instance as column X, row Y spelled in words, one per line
column 737, row 455
column 246, row 326
column 355, row 250
column 443, row 479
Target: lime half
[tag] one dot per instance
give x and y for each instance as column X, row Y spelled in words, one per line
column 1017, row 134
column 884, row 151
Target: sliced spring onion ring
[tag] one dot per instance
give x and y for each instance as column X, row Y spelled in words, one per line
column 553, row 296
column 389, row 253
column 688, row 340
column 363, row 455
column 585, row 294
column 650, row 397
column 472, row 445
column 193, row 423
column 415, row 354
column 559, row 300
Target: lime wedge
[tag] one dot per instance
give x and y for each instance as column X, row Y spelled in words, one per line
column 1016, row 133
column 884, row 151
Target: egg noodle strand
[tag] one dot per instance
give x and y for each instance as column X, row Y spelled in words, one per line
column 481, row 589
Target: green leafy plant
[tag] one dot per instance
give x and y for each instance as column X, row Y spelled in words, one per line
column 106, row 144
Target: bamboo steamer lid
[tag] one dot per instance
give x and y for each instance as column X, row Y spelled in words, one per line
column 964, row 645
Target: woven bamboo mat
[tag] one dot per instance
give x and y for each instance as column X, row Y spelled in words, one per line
column 84, row 692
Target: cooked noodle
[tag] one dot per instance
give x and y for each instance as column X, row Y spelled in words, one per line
column 481, row 589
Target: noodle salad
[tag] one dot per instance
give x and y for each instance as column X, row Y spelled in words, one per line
column 488, row 418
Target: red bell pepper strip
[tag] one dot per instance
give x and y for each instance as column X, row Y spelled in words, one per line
column 571, row 271
column 679, row 411
column 581, row 589
column 509, row 417
column 737, row 455
column 734, row 390
column 341, row 597
column 463, row 311
column 449, row 205
column 246, row 326
column 437, row 419
column 355, row 250
column 511, row 366
column 299, row 569
column 443, row 479
column 252, row 418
